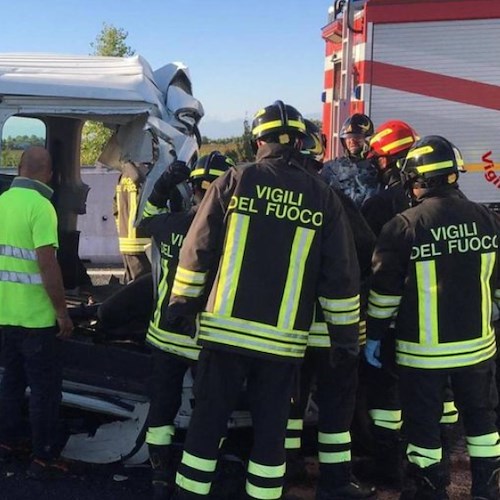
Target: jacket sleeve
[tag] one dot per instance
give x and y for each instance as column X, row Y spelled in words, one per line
column 364, row 238
column 338, row 286
column 389, row 265
column 201, row 250
column 496, row 292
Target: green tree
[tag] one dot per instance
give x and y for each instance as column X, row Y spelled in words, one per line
column 243, row 143
column 110, row 42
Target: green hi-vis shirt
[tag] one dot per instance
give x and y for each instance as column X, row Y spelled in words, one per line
column 28, row 221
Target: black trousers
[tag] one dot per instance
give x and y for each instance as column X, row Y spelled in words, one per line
column 130, row 307
column 336, row 400
column 219, row 380
column 422, row 396
column 31, row 358
column 166, row 387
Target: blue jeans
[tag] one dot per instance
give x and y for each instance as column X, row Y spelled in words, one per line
column 31, row 358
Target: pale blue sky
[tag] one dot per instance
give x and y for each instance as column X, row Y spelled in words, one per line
column 242, row 54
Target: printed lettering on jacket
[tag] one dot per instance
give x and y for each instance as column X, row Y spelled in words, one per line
column 278, row 203
column 455, row 238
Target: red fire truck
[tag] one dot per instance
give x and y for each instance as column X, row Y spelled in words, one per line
column 432, row 63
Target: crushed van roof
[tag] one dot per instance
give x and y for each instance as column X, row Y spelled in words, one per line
column 77, row 76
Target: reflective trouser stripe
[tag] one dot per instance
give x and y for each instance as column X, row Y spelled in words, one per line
column 334, row 447
column 195, row 474
column 450, row 413
column 160, row 435
column 388, row 419
column 265, row 482
column 485, row 446
column 294, row 428
column 191, row 485
column 423, row 457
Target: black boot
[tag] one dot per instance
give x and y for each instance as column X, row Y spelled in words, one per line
column 485, row 478
column 425, row 484
column 336, row 482
column 163, row 474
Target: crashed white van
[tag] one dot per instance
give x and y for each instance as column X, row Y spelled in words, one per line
column 142, row 106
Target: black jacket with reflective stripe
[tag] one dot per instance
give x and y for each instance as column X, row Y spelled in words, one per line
column 436, row 269
column 277, row 239
column 167, row 231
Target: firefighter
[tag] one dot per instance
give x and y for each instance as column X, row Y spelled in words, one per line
column 131, row 240
column 172, row 354
column 388, row 146
column 424, row 260
column 354, row 173
column 335, row 386
column 276, row 239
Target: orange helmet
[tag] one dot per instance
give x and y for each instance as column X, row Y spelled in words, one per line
column 393, row 139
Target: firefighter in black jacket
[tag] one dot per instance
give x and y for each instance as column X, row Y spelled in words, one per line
column 436, row 271
column 172, row 353
column 131, row 240
column 389, row 145
column 278, row 239
column 335, row 385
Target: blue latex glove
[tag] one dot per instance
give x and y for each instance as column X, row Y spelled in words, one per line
column 372, row 353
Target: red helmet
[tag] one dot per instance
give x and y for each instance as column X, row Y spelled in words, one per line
column 393, row 138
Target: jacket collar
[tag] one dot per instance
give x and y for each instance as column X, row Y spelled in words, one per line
column 40, row 187
column 273, row 150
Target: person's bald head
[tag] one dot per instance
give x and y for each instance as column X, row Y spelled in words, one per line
column 36, row 164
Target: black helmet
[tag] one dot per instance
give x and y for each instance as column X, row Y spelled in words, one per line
column 315, row 142
column 279, row 123
column 433, row 157
column 209, row 167
column 358, row 124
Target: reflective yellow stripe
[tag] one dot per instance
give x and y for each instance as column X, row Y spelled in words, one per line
column 276, row 124
column 334, row 457
column 131, row 215
column 487, row 266
column 449, row 361
column 200, row 172
column 190, row 277
column 186, row 290
column 458, row 347
column 295, row 424
column 151, row 210
column 450, row 413
column 434, row 166
column 267, row 471
column 160, row 435
column 388, row 419
column 395, row 144
column 263, row 493
column 341, row 311
column 485, row 446
column 423, row 457
column 203, row 464
column 293, row 443
column 252, row 335
column 231, row 263
column 301, row 246
column 162, row 292
column 192, row 486
column 340, row 305
column 334, row 437
column 427, row 302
